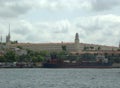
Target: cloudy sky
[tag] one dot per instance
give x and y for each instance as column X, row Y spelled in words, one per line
column 40, row 21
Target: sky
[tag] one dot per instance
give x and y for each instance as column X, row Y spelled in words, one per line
column 44, row 21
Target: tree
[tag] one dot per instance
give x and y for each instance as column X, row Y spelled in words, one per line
column 34, row 59
column 64, row 48
column 10, row 56
column 99, row 48
column 86, row 48
column 20, row 47
column 33, row 56
column 91, row 47
column 40, row 58
column 2, row 59
column 43, row 53
column 21, row 58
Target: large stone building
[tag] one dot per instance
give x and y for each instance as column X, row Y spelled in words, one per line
column 75, row 46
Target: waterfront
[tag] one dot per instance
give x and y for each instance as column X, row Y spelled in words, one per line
column 59, row 78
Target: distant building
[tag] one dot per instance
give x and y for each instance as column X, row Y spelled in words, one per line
column 75, row 46
column 20, row 51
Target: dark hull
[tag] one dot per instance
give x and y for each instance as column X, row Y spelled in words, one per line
column 49, row 65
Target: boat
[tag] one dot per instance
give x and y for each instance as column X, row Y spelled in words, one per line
column 99, row 62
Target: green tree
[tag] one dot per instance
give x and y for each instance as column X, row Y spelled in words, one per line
column 2, row 59
column 21, row 58
column 34, row 59
column 99, row 48
column 64, row 48
column 91, row 47
column 40, row 58
column 43, row 53
column 10, row 56
column 20, row 47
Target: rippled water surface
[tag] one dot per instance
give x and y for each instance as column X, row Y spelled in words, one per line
column 59, row 78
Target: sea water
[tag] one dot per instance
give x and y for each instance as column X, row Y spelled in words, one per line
column 59, row 78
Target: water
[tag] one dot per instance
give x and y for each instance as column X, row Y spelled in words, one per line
column 59, row 78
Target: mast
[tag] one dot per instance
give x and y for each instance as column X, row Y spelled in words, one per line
column 9, row 31
column 8, row 36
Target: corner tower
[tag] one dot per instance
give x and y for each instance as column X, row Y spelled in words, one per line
column 77, row 47
column 77, row 38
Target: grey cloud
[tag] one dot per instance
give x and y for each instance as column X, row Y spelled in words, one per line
column 13, row 8
column 56, row 5
column 61, row 31
column 101, row 5
column 89, row 24
column 32, row 37
column 16, row 8
column 62, row 28
column 97, row 5
column 21, row 31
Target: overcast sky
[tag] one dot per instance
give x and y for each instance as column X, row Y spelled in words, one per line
column 40, row 21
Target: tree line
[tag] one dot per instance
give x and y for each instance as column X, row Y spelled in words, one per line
column 31, row 56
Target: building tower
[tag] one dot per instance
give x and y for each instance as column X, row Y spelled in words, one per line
column 77, row 48
column 77, row 38
column 8, row 36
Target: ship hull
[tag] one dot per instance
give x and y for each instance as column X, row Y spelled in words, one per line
column 49, row 65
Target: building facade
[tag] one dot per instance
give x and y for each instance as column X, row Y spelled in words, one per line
column 75, row 46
